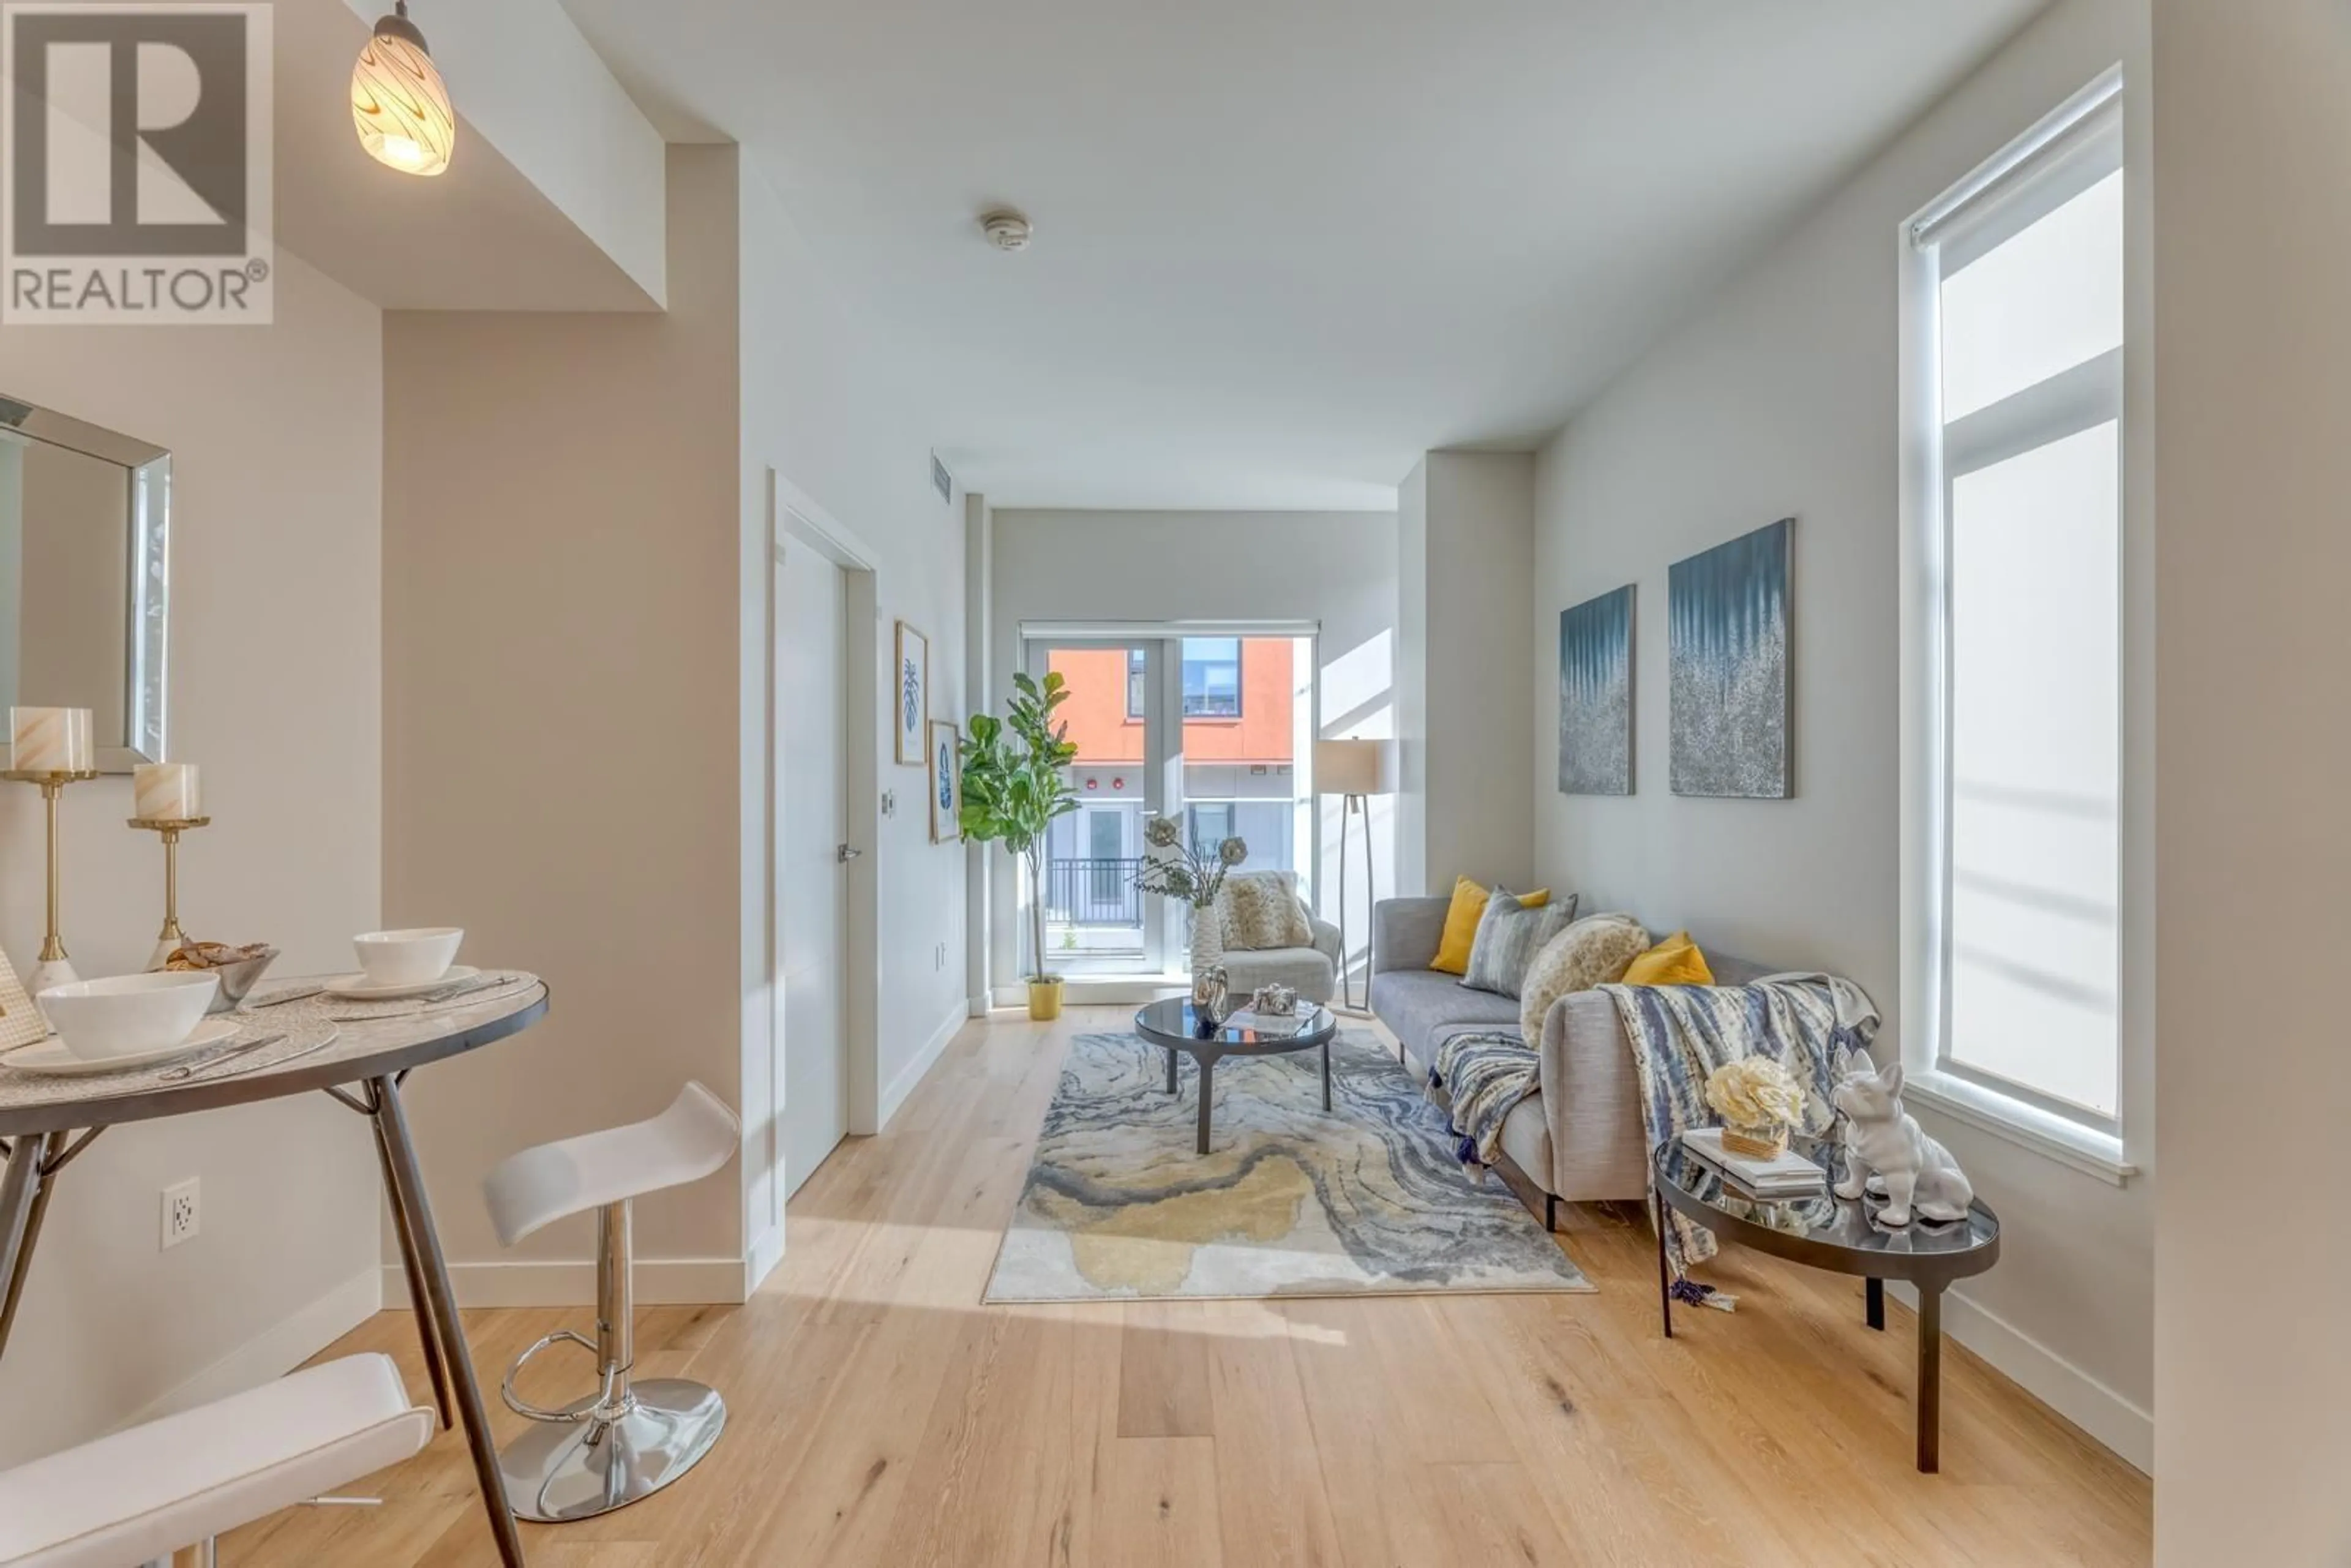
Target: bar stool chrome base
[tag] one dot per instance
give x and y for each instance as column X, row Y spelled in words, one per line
column 558, row 1473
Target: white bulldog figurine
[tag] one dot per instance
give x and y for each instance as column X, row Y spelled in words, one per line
column 1886, row 1149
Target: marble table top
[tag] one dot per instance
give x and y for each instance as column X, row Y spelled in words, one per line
column 330, row 1040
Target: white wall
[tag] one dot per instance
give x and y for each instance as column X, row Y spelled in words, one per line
column 1778, row 399
column 1465, row 552
column 2252, row 217
column 561, row 509
column 276, row 435
column 815, row 411
column 1334, row 568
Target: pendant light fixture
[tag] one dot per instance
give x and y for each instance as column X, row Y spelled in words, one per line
column 399, row 103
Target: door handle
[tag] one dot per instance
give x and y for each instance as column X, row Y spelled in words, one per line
column 846, row 853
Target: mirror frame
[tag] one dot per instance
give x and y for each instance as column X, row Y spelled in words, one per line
column 145, row 702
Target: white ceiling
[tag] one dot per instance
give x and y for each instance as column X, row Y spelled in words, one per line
column 1282, row 246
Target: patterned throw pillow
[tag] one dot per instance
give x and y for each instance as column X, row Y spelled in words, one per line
column 1592, row 952
column 1510, row 934
column 1261, row 911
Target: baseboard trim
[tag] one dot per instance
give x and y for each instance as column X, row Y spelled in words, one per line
column 658, row 1282
column 912, row 1073
column 976, row 1006
column 275, row 1350
column 766, row 1253
column 2049, row 1377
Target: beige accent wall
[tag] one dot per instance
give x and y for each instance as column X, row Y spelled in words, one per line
column 276, row 435
column 1779, row 398
column 2252, row 219
column 560, row 511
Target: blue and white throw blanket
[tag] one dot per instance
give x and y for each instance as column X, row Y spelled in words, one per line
column 1484, row 1075
column 1682, row 1033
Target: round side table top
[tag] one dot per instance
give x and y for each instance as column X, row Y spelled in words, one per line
column 1827, row 1231
column 1175, row 1023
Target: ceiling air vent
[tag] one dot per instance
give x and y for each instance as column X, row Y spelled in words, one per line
column 941, row 480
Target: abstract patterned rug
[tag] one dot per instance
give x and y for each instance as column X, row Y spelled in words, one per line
column 1364, row 1199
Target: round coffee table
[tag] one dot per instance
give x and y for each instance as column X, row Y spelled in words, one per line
column 1173, row 1025
column 1832, row 1233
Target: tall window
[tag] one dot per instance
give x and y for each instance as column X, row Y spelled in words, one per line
column 1136, row 673
column 2020, row 274
column 1212, row 677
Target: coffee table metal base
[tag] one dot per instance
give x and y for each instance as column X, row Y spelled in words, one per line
column 1208, row 1059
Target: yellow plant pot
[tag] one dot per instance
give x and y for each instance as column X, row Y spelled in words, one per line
column 1045, row 999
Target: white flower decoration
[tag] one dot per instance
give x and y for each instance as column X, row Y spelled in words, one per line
column 1755, row 1091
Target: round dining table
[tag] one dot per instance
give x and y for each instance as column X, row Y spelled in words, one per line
column 294, row 1038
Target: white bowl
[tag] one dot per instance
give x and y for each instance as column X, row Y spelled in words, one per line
column 408, row 957
column 96, row 1019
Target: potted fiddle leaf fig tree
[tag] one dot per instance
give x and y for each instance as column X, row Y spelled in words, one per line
column 1015, row 783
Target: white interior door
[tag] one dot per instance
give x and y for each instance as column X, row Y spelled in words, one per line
column 811, row 882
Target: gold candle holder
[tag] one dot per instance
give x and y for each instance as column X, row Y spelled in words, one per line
column 54, row 968
column 170, row 829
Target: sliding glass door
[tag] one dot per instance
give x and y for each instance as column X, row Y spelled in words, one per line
column 1213, row 729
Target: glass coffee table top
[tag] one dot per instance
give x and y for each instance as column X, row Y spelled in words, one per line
column 1174, row 1021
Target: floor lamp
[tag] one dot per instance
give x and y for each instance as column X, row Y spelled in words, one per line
column 1357, row 770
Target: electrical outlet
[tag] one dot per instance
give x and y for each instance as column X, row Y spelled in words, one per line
column 183, row 1211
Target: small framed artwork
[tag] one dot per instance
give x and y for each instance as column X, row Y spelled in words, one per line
column 911, row 694
column 946, row 782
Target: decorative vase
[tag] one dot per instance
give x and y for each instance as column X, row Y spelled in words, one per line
column 1208, row 940
column 1045, row 999
column 1756, row 1143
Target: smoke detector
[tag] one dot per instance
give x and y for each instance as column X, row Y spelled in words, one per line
column 1006, row 229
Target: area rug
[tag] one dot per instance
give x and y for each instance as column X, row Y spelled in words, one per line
column 1292, row 1200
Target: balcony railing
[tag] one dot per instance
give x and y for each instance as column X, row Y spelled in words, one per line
column 1093, row 892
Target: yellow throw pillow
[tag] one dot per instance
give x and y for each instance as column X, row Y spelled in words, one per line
column 1461, row 922
column 1676, row 961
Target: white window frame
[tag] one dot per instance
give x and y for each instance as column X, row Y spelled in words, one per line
column 2030, row 176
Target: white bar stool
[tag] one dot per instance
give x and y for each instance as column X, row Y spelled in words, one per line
column 626, row 1440
column 138, row 1496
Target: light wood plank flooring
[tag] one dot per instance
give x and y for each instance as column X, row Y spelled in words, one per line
column 881, row 1416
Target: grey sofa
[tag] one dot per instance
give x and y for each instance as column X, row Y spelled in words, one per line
column 1311, row 972
column 1580, row 1140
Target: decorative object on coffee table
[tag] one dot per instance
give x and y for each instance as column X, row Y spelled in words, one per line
column 1180, row 1028
column 1887, row 1151
column 1292, row 1201
column 1356, row 771
column 52, row 748
column 1173, row 867
column 1758, row 1102
column 1015, row 782
column 1835, row 1233
column 1211, row 991
column 1274, row 1001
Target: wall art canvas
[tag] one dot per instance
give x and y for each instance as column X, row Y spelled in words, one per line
column 1727, row 614
column 946, row 782
column 911, row 695
column 1596, row 695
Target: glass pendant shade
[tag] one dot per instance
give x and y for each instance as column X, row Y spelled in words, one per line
column 399, row 103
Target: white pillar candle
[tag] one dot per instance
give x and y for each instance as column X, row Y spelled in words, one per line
column 165, row 792
column 52, row 740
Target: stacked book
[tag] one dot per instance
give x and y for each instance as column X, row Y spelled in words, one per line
column 1775, row 1180
column 1270, row 1024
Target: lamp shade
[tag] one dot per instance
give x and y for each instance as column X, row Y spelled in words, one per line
column 400, row 106
column 1352, row 767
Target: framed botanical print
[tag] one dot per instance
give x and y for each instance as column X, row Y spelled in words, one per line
column 946, row 782
column 911, row 695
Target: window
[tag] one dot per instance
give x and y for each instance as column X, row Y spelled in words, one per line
column 1212, row 677
column 2017, row 553
column 1134, row 682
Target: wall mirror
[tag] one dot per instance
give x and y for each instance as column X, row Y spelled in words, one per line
column 84, row 536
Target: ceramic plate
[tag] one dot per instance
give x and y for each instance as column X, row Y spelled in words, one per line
column 50, row 1055
column 360, row 988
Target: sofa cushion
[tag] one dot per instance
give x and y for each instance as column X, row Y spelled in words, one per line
column 1509, row 935
column 1591, row 952
column 1260, row 910
column 1461, row 919
column 1306, row 970
column 1676, row 961
column 1421, row 1005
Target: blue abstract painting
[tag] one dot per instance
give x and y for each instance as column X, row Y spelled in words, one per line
column 1727, row 613
column 1596, row 695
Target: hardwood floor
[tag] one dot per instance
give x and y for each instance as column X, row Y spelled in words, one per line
column 881, row 1416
